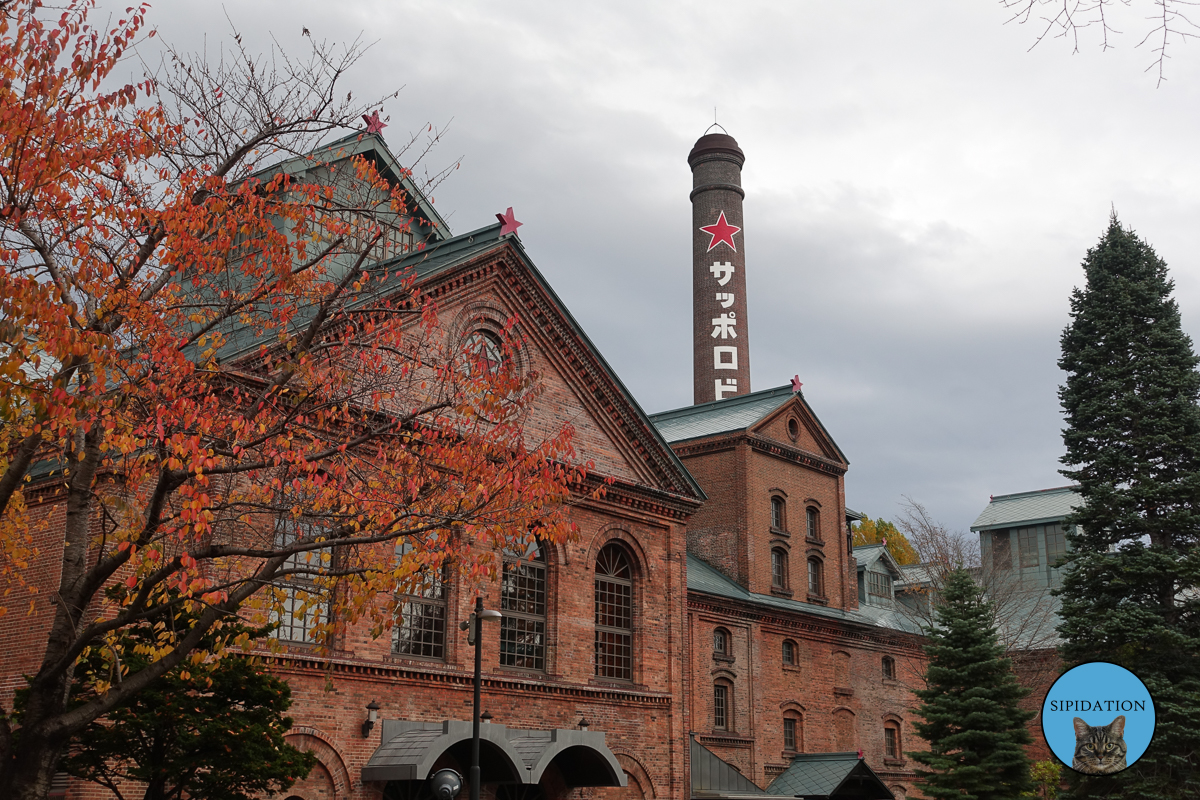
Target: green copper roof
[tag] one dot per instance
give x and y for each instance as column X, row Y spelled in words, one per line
column 704, row 578
column 719, row 416
column 833, row 775
column 1028, row 508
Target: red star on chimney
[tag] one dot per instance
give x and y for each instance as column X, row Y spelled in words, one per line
column 374, row 124
column 722, row 231
column 508, row 222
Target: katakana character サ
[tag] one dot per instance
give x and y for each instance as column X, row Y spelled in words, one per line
column 725, row 299
column 723, row 326
column 722, row 271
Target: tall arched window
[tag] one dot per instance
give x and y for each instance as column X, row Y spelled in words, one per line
column 778, row 518
column 891, row 739
column 779, row 568
column 812, row 520
column 789, row 653
column 792, row 732
column 614, row 613
column 723, row 705
column 523, row 603
column 889, row 668
column 421, row 620
column 816, row 580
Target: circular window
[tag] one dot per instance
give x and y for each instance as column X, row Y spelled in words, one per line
column 793, row 428
column 484, row 347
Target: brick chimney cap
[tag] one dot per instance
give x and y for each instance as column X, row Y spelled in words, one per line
column 715, row 143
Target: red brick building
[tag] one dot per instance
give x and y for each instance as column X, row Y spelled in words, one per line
column 709, row 606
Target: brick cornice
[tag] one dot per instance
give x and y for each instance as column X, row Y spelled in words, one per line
column 761, row 444
column 455, row 679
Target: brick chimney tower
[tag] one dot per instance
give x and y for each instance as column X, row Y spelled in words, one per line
column 720, row 335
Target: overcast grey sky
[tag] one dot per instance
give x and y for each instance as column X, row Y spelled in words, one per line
column 920, row 191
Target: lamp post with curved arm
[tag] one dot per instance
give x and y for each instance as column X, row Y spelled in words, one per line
column 474, row 628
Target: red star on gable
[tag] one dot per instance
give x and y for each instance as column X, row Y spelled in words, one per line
column 722, row 231
column 374, row 124
column 508, row 222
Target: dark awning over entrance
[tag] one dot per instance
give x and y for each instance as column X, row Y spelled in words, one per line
column 506, row 755
column 830, row 775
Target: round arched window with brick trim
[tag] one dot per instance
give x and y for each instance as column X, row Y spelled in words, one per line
column 721, row 643
column 778, row 514
column 523, row 603
column 816, row 577
column 779, row 568
column 614, row 613
column 723, row 705
column 891, row 739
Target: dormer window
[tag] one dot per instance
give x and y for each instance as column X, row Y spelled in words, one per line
column 879, row 585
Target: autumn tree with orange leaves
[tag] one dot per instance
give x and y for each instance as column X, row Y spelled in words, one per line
column 215, row 380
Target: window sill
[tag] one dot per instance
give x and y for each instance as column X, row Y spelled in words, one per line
column 780, row 532
column 843, row 691
column 781, row 592
column 724, row 658
column 811, row 540
column 792, row 668
column 818, row 599
column 894, row 762
column 528, row 672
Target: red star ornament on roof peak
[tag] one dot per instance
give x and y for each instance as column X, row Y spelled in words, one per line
column 374, row 123
column 796, row 384
column 508, row 222
column 720, row 232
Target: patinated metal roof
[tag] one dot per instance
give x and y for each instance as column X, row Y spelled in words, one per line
column 832, row 775
column 702, row 577
column 719, row 416
column 1028, row 508
column 714, row 777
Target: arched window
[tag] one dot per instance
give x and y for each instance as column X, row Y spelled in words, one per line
column 779, row 568
column 723, row 705
column 721, row 643
column 891, row 739
column 523, row 603
column 421, row 620
column 816, row 580
column 812, row 519
column 614, row 614
column 889, row 668
column 305, row 602
column 789, row 653
column 485, row 349
column 792, row 732
column 778, row 518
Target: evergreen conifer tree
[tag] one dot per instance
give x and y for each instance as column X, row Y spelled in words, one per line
column 1133, row 446
column 973, row 723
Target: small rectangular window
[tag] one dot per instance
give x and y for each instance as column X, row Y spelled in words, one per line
column 721, row 706
column 880, row 584
column 1056, row 544
column 789, row 734
column 1027, row 541
column 1001, row 551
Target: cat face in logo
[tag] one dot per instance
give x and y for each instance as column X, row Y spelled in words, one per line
column 1099, row 750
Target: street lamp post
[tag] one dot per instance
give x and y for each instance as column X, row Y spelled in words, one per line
column 474, row 628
